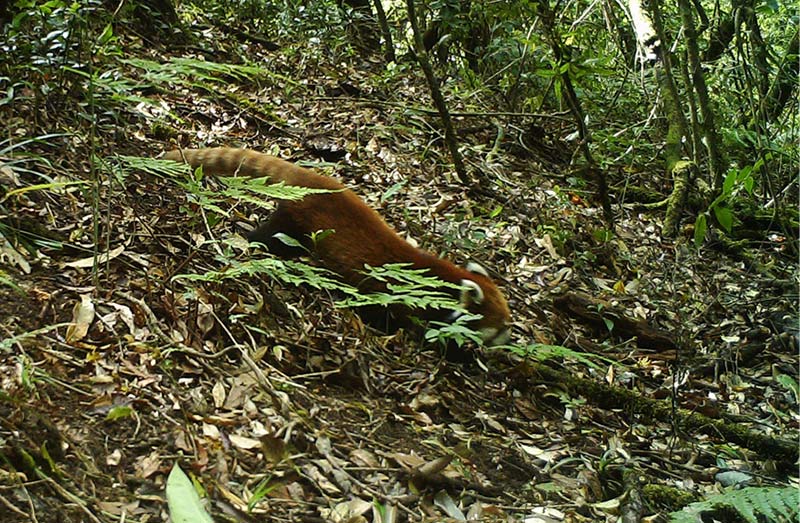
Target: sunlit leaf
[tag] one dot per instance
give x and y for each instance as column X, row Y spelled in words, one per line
column 123, row 411
column 185, row 505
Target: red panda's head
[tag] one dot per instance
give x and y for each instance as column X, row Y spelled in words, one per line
column 481, row 296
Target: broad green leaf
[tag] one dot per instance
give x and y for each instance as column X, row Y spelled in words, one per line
column 730, row 179
column 724, row 217
column 748, row 184
column 700, row 225
column 107, row 35
column 288, row 240
column 185, row 505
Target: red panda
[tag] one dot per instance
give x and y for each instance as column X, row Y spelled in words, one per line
column 360, row 236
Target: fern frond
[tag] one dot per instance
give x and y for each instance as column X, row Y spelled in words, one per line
column 753, row 504
column 242, row 188
column 286, row 271
column 414, row 288
column 189, row 72
column 542, row 352
column 121, row 166
column 425, row 293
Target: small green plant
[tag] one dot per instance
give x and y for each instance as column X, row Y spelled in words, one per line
column 28, row 168
column 457, row 331
column 735, row 182
column 264, row 487
column 407, row 287
column 568, row 401
column 41, row 35
column 119, row 412
column 255, row 191
column 8, row 281
column 285, row 271
column 200, row 74
column 47, row 46
column 790, row 384
column 753, row 504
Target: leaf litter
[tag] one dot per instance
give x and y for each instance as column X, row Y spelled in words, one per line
column 286, row 408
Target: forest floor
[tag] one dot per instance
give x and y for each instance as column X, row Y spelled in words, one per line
column 284, row 407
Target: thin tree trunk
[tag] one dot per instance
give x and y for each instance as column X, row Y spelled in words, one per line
column 388, row 52
column 758, row 48
column 436, row 93
column 678, row 129
column 624, row 39
column 574, row 104
column 710, row 135
column 785, row 82
column 694, row 119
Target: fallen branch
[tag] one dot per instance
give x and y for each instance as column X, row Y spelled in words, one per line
column 599, row 312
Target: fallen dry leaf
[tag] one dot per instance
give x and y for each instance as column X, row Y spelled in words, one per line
column 82, row 317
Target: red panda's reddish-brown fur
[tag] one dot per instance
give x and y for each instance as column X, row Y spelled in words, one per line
column 360, row 236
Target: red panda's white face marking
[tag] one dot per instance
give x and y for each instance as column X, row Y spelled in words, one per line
column 494, row 327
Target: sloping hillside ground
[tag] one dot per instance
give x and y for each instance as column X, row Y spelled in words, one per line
column 286, row 408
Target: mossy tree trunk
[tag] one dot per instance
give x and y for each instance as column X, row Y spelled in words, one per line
column 677, row 166
column 680, row 162
column 716, row 162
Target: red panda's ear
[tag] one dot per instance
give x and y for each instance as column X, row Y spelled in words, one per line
column 471, row 293
column 476, row 268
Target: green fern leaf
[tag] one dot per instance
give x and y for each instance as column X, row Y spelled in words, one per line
column 754, row 505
